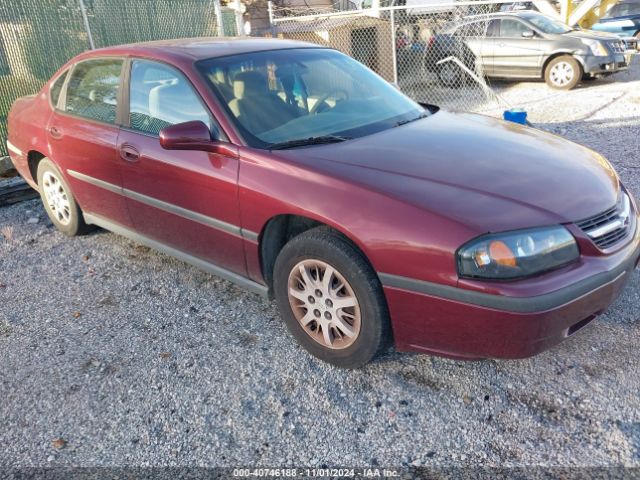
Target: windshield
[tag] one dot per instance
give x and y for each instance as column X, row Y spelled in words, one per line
column 281, row 96
column 546, row 24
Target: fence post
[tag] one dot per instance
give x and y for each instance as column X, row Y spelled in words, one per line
column 86, row 24
column 272, row 27
column 218, row 12
column 237, row 11
column 394, row 56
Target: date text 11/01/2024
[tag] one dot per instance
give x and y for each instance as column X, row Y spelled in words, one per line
column 316, row 472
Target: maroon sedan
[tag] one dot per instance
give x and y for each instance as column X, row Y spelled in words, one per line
column 298, row 173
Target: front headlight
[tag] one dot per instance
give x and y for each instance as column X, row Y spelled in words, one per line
column 596, row 47
column 522, row 253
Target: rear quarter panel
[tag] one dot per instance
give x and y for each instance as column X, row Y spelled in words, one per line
column 27, row 123
column 624, row 26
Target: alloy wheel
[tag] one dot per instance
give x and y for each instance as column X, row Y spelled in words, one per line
column 324, row 304
column 56, row 197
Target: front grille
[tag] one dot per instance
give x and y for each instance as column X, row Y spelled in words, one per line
column 618, row 46
column 609, row 227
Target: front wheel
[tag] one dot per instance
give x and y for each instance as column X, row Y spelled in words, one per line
column 331, row 299
column 563, row 73
column 58, row 201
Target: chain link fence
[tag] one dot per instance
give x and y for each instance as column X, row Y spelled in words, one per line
column 431, row 51
column 38, row 36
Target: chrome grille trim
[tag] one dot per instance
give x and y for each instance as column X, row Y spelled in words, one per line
column 618, row 46
column 609, row 227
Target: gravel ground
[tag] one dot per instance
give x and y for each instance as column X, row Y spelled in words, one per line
column 112, row 354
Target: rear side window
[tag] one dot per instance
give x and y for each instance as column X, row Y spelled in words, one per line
column 623, row 9
column 160, row 96
column 93, row 89
column 472, row 30
column 494, row 28
column 56, row 88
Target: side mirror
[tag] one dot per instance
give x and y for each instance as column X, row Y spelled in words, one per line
column 194, row 135
column 528, row 34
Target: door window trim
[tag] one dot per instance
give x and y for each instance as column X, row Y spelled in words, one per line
column 126, row 114
column 55, row 80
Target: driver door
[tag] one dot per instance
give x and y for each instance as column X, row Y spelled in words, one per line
column 187, row 200
column 515, row 55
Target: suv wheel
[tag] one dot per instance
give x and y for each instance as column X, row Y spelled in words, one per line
column 450, row 75
column 58, row 201
column 331, row 299
column 563, row 72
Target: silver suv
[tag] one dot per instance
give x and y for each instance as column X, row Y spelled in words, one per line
column 524, row 44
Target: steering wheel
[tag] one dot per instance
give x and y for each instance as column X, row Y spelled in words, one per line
column 324, row 97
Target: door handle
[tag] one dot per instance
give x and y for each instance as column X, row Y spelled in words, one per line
column 55, row 132
column 129, row 153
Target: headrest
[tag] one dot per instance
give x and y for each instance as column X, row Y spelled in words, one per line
column 251, row 83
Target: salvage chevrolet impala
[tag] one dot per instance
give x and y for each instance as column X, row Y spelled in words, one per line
column 299, row 174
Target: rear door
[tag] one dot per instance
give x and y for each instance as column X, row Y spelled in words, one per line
column 187, row 200
column 488, row 47
column 515, row 55
column 83, row 131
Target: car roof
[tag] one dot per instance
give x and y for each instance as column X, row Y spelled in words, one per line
column 518, row 13
column 199, row 48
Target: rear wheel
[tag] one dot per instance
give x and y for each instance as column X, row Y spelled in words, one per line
column 331, row 299
column 450, row 74
column 563, row 73
column 58, row 201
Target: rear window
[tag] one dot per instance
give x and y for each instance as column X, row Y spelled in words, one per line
column 56, row 88
column 624, row 9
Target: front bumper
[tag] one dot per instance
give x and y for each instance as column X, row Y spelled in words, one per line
column 471, row 325
column 593, row 65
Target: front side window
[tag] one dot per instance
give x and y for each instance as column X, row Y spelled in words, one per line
column 160, row 96
column 512, row 28
column 547, row 24
column 56, row 88
column 92, row 91
column 281, row 96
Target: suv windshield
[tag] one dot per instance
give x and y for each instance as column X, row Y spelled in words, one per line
column 284, row 97
column 546, row 24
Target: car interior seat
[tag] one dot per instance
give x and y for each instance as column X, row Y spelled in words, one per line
column 255, row 106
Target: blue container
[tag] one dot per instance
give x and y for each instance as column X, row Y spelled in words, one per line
column 516, row 115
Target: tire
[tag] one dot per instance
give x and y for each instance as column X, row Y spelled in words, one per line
column 58, row 200
column 563, row 72
column 450, row 75
column 356, row 332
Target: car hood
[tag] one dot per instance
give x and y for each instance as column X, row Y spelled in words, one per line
column 486, row 173
column 591, row 35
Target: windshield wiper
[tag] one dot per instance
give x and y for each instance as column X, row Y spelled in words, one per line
column 404, row 122
column 302, row 142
